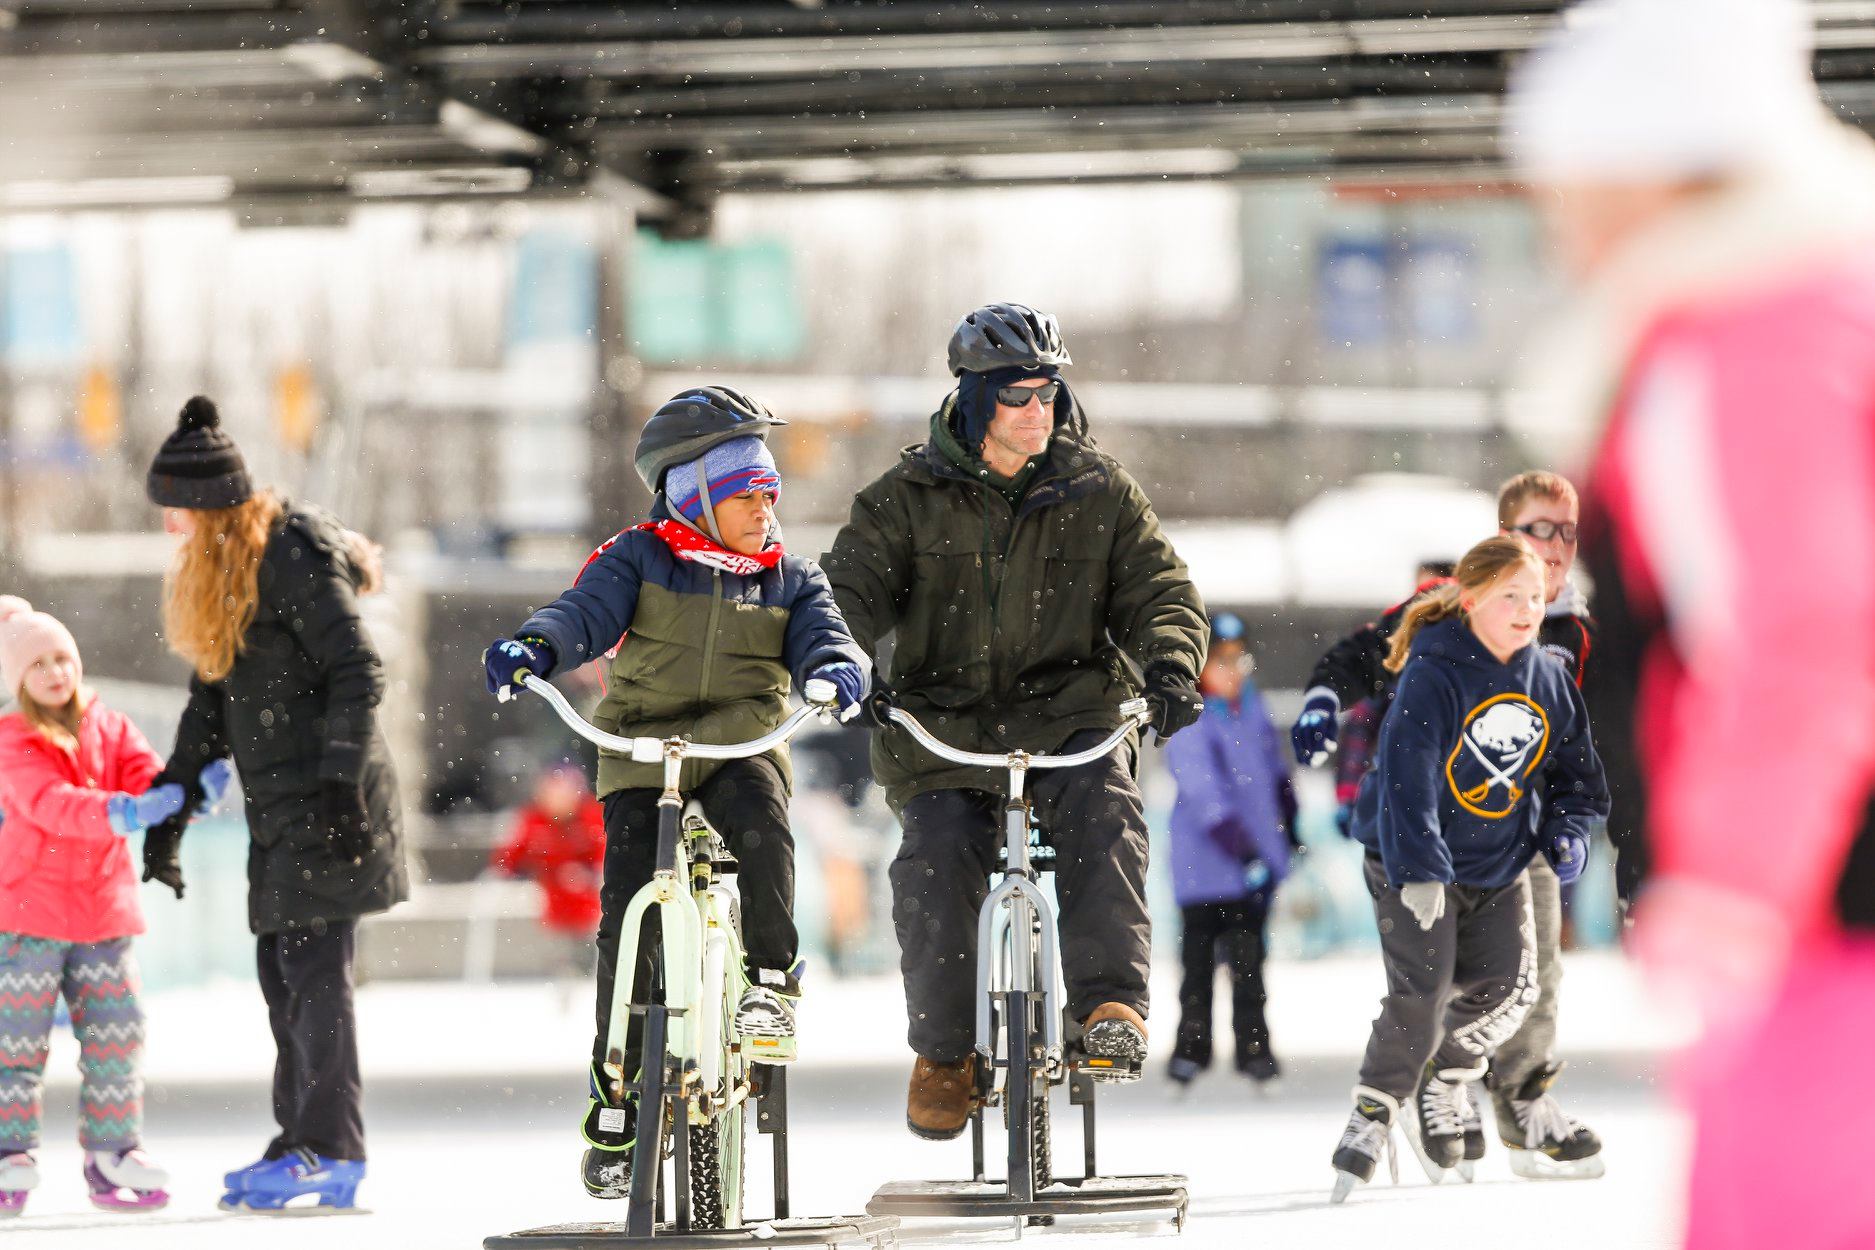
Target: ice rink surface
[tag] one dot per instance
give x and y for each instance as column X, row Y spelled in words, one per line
column 474, row 1092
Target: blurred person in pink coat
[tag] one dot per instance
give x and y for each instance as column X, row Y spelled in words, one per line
column 1720, row 228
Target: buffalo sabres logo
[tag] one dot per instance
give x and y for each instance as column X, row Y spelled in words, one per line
column 1500, row 746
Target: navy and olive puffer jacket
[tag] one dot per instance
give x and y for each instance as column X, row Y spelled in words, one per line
column 707, row 654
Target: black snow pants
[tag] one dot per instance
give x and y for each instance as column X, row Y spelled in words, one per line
column 940, row 878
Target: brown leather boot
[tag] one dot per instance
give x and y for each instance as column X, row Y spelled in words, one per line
column 938, row 1107
column 1113, row 1039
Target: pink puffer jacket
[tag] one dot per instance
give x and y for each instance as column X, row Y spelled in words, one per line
column 63, row 873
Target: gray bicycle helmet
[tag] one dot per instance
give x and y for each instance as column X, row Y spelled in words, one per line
column 1001, row 336
column 694, row 421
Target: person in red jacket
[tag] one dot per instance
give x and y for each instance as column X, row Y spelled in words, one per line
column 1719, row 224
column 558, row 840
column 75, row 784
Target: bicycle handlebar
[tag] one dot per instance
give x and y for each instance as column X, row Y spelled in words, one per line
column 819, row 693
column 1134, row 714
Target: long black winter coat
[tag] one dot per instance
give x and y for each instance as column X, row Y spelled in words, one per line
column 300, row 708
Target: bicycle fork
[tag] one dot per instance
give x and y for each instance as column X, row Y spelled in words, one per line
column 1016, row 921
column 669, row 1026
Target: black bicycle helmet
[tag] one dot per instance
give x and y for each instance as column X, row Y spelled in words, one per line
column 691, row 423
column 999, row 336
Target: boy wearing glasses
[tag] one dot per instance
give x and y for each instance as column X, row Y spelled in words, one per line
column 1542, row 508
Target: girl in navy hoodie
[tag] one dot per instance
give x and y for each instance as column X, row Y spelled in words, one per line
column 1485, row 761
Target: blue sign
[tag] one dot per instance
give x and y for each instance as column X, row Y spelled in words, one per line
column 39, row 321
column 556, row 290
column 1438, row 288
column 1352, row 280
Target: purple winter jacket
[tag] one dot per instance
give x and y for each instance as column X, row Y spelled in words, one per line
column 1235, row 802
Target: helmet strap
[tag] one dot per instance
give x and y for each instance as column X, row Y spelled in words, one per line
column 704, row 505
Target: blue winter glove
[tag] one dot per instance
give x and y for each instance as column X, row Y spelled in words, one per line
column 1568, row 854
column 849, row 679
column 508, row 658
column 215, row 778
column 133, row 813
column 1314, row 732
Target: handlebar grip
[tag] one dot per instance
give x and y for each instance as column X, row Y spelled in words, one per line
column 820, row 690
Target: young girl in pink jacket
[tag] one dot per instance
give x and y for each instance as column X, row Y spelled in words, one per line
column 74, row 784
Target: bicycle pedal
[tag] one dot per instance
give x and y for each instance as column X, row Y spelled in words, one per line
column 770, row 1049
column 1109, row 1069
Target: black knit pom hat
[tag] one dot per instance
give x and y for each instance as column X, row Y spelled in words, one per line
column 199, row 466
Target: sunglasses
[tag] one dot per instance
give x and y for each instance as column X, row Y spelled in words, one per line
column 1019, row 396
column 1544, row 531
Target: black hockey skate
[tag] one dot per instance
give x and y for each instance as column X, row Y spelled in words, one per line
column 1368, row 1136
column 611, row 1134
column 1474, row 1135
column 1437, row 1134
column 1544, row 1143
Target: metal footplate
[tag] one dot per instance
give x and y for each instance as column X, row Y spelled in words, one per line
column 843, row 1230
column 1164, row 1196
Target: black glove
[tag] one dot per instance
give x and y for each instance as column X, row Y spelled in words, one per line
column 162, row 853
column 1174, row 698
column 881, row 700
column 346, row 820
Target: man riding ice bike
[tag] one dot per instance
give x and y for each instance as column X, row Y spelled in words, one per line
column 1020, row 569
column 708, row 625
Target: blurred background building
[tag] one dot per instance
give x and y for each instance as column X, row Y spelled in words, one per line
column 436, row 260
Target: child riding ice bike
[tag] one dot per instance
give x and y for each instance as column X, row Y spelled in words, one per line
column 697, row 1070
column 706, row 625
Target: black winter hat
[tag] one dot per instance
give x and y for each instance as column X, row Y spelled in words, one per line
column 199, row 466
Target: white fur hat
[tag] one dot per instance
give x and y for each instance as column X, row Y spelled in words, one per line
column 1660, row 90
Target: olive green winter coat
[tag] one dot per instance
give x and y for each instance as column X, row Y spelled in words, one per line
column 1013, row 622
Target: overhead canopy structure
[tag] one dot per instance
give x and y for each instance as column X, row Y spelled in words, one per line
column 285, row 103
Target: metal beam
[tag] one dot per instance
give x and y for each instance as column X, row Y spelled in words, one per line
column 1068, row 85
column 741, row 59
column 484, row 22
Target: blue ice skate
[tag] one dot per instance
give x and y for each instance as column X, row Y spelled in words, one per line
column 240, row 1179
column 297, row 1174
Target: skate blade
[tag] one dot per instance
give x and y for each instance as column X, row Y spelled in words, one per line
column 1467, row 1171
column 242, row 1204
column 1345, row 1184
column 1534, row 1165
column 129, row 1208
column 1434, row 1173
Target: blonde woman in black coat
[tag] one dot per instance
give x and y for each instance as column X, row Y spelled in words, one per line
column 262, row 602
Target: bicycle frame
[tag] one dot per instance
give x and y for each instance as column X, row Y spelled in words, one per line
column 1017, row 953
column 701, row 959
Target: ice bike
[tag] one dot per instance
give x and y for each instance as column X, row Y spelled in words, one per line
column 1023, row 1045
column 697, row 1082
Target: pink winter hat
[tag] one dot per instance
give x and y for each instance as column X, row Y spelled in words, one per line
column 25, row 635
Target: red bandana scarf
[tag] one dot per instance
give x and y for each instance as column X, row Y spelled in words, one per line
column 688, row 544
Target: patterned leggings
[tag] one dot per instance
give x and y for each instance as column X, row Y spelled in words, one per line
column 99, row 981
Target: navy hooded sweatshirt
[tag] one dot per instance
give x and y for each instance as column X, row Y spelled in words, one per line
column 1481, row 763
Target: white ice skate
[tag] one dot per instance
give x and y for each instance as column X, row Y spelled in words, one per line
column 19, row 1176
